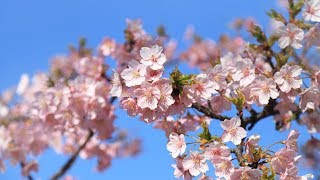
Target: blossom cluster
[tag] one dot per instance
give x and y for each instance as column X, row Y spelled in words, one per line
column 70, row 109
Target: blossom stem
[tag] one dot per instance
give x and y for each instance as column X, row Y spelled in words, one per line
column 208, row 112
column 72, row 159
column 267, row 149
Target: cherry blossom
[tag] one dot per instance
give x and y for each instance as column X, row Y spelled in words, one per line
column 245, row 173
column 195, row 163
column 70, row 108
column 290, row 35
column 245, row 72
column 223, row 167
column 282, row 160
column 176, row 144
column 116, row 88
column 264, row 88
column 216, row 150
column 310, row 98
column 202, row 88
column 312, row 11
column 288, row 78
column 232, row 130
column 134, row 74
column 153, row 57
column 147, row 96
column 291, row 141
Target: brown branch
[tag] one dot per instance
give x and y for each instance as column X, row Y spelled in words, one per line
column 208, row 112
column 238, row 152
column 255, row 117
column 22, row 164
column 72, row 159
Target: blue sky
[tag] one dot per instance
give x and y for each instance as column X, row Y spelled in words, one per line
column 33, row 31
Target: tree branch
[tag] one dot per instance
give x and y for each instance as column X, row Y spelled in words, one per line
column 208, row 112
column 22, row 164
column 255, row 117
column 72, row 159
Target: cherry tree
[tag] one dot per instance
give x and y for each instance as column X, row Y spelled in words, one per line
column 241, row 81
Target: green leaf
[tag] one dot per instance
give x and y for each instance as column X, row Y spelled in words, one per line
column 205, row 135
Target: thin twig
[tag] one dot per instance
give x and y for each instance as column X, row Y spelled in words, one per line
column 208, row 112
column 22, row 164
column 72, row 159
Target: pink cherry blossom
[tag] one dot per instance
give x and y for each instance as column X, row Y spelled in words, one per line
column 116, row 88
column 245, row 173
column 176, row 144
column 291, row 141
column 264, row 88
column 232, row 130
column 220, row 104
column 179, row 170
column 290, row 35
column 147, row 96
column 130, row 105
column 90, row 66
column 153, row 57
column 216, row 150
column 252, row 144
column 202, row 88
column 288, row 78
column 310, row 98
column 153, row 75
column 245, row 72
column 166, row 100
column 107, row 46
column 195, row 163
column 292, row 174
column 283, row 159
column 218, row 76
column 311, row 11
column 134, row 74
column 223, row 167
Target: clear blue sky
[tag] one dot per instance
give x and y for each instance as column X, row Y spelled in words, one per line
column 33, row 31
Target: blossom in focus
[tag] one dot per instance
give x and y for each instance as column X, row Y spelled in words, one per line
column 147, row 96
column 311, row 11
column 166, row 99
column 153, row 57
column 288, row 78
column 176, row 144
column 245, row 72
column 195, row 163
column 134, row 74
column 290, row 35
column 223, row 167
column 216, row 150
column 232, row 130
column 264, row 88
column 202, row 88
